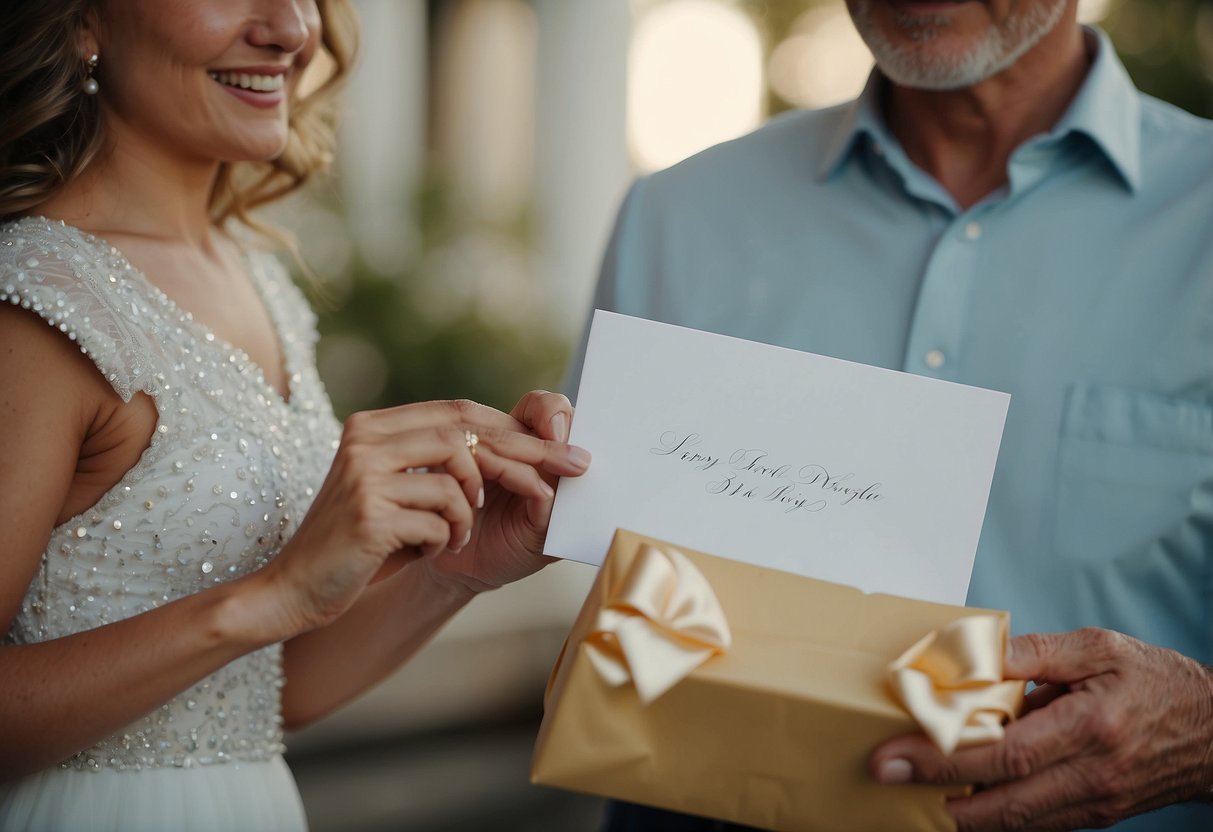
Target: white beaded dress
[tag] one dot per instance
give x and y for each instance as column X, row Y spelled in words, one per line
column 231, row 469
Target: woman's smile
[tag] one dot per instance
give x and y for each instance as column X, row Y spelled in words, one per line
column 258, row 86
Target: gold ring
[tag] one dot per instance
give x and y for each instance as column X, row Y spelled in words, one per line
column 471, row 440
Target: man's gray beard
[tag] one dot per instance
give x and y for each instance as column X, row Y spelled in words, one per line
column 920, row 67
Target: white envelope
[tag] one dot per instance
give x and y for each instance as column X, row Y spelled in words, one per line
column 839, row 471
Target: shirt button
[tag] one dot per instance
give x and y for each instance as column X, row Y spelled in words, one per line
column 934, row 359
column 973, row 230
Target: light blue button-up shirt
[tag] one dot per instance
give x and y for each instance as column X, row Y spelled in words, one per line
column 1084, row 288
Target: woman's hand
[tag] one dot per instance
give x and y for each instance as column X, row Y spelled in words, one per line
column 509, row 533
column 404, row 480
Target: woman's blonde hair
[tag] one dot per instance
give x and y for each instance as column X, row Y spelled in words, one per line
column 50, row 130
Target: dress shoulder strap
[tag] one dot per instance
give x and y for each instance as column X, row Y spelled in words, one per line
column 80, row 286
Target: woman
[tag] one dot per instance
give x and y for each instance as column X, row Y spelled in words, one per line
column 191, row 541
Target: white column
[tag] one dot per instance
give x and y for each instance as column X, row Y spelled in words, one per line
column 581, row 160
column 484, row 129
column 581, row 171
column 382, row 147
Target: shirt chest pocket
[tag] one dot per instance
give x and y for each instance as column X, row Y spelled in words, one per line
column 1128, row 463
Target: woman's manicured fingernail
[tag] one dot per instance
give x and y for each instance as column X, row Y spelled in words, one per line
column 466, row 539
column 479, row 499
column 547, row 490
column 893, row 772
column 579, row 456
column 560, row 426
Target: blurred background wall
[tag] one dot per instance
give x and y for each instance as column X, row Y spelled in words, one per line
column 485, row 147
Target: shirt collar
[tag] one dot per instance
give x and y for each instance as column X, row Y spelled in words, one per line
column 1107, row 110
column 862, row 117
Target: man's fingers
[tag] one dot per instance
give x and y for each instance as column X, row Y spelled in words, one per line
column 1023, row 804
column 1033, row 743
column 1117, row 727
column 1064, row 658
column 1042, row 695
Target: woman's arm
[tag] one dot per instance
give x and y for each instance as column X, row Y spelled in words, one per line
column 63, row 695
column 59, row 696
column 393, row 619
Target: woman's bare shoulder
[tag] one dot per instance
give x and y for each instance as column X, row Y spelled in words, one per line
column 41, row 366
column 60, row 417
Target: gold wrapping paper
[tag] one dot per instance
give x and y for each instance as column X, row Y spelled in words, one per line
column 775, row 732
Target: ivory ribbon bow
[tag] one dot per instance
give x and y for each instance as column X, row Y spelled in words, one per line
column 951, row 683
column 658, row 624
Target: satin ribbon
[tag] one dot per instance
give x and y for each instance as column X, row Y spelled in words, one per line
column 659, row 623
column 951, row 683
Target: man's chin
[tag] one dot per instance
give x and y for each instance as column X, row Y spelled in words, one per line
column 939, row 69
column 936, row 58
column 947, row 44
column 931, row 7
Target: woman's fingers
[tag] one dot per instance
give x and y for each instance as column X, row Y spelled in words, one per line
column 554, row 457
column 439, row 493
column 410, row 417
column 431, row 463
column 461, row 455
column 451, row 450
column 425, row 530
column 441, row 435
column 444, row 448
column 547, row 415
column 515, row 476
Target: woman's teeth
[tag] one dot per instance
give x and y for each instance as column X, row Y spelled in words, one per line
column 245, row 81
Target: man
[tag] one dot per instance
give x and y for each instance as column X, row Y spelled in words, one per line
column 1001, row 208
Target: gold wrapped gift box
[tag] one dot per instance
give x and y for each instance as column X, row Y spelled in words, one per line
column 773, row 730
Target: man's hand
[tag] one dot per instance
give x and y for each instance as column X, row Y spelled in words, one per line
column 1115, row 727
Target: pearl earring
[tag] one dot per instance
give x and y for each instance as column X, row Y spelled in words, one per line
column 90, row 85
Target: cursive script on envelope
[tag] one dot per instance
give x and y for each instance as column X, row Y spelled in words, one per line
column 751, row 474
column 840, row 471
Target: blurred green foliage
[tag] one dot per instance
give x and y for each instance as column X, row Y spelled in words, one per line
column 1167, row 46
column 463, row 353
column 467, row 357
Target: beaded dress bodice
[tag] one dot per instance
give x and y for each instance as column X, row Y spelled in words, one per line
column 230, row 470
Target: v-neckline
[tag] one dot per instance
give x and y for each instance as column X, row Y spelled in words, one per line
column 202, row 333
